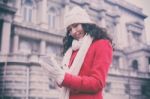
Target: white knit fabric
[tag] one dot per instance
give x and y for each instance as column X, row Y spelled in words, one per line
column 76, row 15
column 76, row 44
column 77, row 63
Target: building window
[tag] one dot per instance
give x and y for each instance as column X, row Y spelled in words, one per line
column 149, row 63
column 51, row 21
column 28, row 46
column 51, row 17
column 53, row 49
column 35, row 47
column 145, row 89
column 127, row 88
column 108, row 87
column 25, row 47
column 115, row 61
column 54, row 16
column 52, row 84
column 1, row 27
column 136, row 37
column 28, row 10
column 148, row 60
column 135, row 64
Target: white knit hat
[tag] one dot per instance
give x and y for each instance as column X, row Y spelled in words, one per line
column 76, row 15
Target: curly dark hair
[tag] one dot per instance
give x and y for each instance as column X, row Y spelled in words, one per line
column 92, row 29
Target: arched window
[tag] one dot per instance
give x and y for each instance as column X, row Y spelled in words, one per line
column 135, row 64
column 136, row 37
column 51, row 17
column 108, row 87
column 28, row 6
column 116, row 62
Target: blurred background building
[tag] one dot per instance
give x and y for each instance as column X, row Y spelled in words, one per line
column 30, row 28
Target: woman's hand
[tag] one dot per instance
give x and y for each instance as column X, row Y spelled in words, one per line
column 50, row 66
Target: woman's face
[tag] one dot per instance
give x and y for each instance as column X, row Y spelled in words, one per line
column 76, row 31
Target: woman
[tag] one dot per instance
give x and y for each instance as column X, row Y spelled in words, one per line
column 87, row 57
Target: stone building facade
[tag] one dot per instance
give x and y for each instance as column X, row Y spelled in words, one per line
column 30, row 28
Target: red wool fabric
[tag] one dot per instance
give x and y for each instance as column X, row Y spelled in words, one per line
column 92, row 76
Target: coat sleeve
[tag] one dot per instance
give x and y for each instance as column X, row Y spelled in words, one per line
column 95, row 80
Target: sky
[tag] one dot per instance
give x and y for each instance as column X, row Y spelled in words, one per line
column 145, row 5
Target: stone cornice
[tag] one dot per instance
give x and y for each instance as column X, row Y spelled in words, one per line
column 80, row 2
column 135, row 27
column 118, row 52
column 128, row 6
column 7, row 12
column 137, row 48
column 128, row 73
column 19, row 59
column 131, row 8
column 5, row 8
column 37, row 34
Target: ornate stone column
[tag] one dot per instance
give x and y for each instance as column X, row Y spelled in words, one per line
column 6, row 31
column 103, row 21
column 42, row 47
column 118, row 32
column 18, row 17
column 43, row 14
column 7, row 11
column 16, row 43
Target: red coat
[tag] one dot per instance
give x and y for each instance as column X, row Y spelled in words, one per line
column 92, row 77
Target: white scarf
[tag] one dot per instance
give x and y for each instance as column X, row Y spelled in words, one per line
column 76, row 44
column 77, row 63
